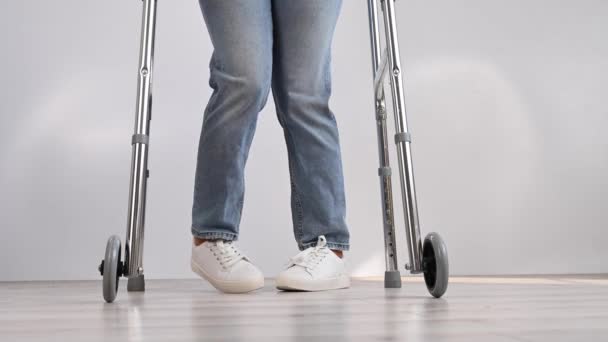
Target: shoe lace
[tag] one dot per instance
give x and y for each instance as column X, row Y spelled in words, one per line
column 226, row 253
column 312, row 256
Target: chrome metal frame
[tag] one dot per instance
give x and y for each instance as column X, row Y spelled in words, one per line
column 133, row 261
column 386, row 63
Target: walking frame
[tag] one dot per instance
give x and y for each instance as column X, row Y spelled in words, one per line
column 429, row 257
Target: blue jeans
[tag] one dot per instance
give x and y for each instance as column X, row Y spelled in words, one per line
column 258, row 45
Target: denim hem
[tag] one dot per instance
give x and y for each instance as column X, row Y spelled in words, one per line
column 331, row 245
column 214, row 235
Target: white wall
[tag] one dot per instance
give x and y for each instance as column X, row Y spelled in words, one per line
column 507, row 106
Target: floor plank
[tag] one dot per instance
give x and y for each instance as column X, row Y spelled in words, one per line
column 526, row 308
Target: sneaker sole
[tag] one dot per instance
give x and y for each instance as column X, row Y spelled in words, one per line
column 337, row 283
column 227, row 286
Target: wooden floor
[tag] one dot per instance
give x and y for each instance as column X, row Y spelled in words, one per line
column 485, row 309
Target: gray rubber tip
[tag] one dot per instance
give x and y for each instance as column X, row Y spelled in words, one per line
column 136, row 284
column 392, row 279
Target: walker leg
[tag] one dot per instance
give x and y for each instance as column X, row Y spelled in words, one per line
column 430, row 258
column 402, row 140
column 392, row 276
column 139, row 161
column 112, row 267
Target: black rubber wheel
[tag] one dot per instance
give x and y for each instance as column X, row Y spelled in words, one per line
column 435, row 265
column 112, row 269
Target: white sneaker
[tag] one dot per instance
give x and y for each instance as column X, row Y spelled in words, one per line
column 314, row 269
column 225, row 267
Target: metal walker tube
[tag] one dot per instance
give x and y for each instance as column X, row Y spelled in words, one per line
column 390, row 63
column 140, row 140
column 384, row 170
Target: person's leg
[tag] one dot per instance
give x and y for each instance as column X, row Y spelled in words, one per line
column 301, row 86
column 240, row 75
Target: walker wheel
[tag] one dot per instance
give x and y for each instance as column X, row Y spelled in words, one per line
column 435, row 264
column 111, row 269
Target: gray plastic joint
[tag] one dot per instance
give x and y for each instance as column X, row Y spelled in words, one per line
column 380, row 112
column 384, row 171
column 403, row 137
column 140, row 139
